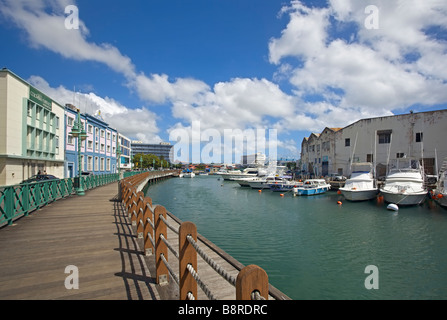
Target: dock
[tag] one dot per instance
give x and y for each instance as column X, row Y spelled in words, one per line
column 90, row 241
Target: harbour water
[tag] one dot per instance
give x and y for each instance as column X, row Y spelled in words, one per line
column 313, row 247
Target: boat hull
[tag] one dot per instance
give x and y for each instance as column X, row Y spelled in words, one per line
column 359, row 195
column 441, row 199
column 404, row 199
column 310, row 191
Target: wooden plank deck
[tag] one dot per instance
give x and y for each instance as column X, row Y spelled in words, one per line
column 94, row 234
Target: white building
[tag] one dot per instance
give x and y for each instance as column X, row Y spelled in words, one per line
column 377, row 140
column 126, row 152
column 31, row 131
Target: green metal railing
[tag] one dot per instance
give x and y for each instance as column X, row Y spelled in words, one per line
column 20, row 200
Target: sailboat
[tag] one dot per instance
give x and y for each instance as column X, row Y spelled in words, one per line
column 361, row 185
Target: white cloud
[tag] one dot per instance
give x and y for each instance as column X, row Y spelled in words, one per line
column 240, row 103
column 139, row 124
column 305, row 34
column 376, row 71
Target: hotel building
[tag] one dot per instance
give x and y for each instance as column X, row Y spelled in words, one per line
column 161, row 150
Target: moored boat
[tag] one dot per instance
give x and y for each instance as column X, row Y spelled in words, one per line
column 404, row 184
column 283, row 185
column 312, row 187
column 440, row 192
column 361, row 185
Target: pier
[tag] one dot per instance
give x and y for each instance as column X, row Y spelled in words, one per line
column 114, row 244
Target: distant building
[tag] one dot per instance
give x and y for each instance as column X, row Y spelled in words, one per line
column 377, row 140
column 126, row 152
column 31, row 131
column 161, row 150
column 253, row 159
column 98, row 151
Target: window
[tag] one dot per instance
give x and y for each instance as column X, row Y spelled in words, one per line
column 96, row 164
column 30, row 110
column 70, row 121
column 369, row 157
column 108, row 165
column 108, row 149
column 90, row 163
column 90, row 144
column 102, row 133
column 102, row 164
column 108, row 135
column 96, row 132
column 57, row 122
column 90, row 128
column 102, row 147
column 56, row 142
column 419, row 136
column 347, row 142
column 70, row 139
column 384, row 136
column 96, row 146
column 400, row 155
column 38, row 111
column 30, row 138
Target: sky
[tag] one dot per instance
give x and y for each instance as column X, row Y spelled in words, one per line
column 187, row 70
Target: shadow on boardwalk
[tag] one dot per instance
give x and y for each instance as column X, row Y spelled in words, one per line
column 93, row 234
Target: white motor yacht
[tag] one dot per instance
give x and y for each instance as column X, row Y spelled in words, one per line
column 361, row 185
column 404, row 184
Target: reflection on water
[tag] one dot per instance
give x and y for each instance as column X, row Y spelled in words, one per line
column 314, row 248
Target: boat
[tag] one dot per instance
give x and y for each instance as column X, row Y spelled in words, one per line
column 238, row 174
column 187, row 174
column 284, row 185
column 361, row 185
column 244, row 182
column 404, row 183
column 264, row 182
column 312, row 187
column 440, row 192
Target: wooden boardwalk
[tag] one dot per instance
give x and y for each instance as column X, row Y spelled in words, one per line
column 95, row 235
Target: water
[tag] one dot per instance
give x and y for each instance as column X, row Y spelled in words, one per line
column 314, row 248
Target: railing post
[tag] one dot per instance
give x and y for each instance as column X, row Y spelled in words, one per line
column 148, row 214
column 162, row 271
column 187, row 255
column 131, row 206
column 139, row 204
column 250, row 279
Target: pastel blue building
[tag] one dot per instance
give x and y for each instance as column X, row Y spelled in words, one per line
column 98, row 151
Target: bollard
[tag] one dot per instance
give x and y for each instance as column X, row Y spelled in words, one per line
column 187, row 255
column 250, row 279
column 160, row 247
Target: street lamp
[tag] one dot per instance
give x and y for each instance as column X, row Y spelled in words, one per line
column 78, row 132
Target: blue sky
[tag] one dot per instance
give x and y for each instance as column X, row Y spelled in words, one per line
column 154, row 67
